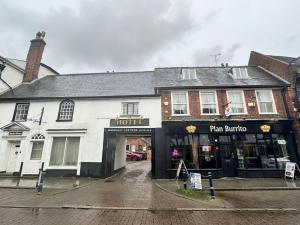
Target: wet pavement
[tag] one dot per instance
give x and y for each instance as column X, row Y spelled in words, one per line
column 109, row 202
column 143, row 217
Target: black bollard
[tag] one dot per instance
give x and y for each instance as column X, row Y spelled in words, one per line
column 211, row 187
column 184, row 179
column 40, row 180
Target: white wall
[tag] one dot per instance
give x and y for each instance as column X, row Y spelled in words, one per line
column 93, row 115
column 120, row 153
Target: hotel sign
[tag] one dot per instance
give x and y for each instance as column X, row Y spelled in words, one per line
column 129, row 122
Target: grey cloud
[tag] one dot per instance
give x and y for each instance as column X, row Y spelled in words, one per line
column 206, row 56
column 117, row 33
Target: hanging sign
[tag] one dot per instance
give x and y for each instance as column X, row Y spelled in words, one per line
column 290, row 169
column 196, row 182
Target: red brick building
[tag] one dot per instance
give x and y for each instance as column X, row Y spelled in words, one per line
column 231, row 121
column 289, row 69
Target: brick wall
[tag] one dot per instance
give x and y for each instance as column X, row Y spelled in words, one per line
column 287, row 72
column 194, row 106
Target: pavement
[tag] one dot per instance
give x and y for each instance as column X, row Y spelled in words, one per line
column 132, row 197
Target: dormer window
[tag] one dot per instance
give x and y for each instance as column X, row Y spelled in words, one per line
column 240, row 73
column 188, row 74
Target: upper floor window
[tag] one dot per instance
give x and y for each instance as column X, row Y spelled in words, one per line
column 240, row 73
column 179, row 103
column 265, row 101
column 236, row 102
column 188, row 74
column 208, row 102
column 130, row 108
column 66, row 110
column 21, row 112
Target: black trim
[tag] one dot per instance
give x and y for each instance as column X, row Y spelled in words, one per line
column 14, row 116
column 59, row 111
column 60, row 173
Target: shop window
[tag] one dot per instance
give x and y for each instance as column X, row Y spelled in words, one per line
column 208, row 102
column 64, row 151
column 280, row 150
column 265, row 101
column 21, row 112
column 207, row 152
column 130, row 108
column 236, row 102
column 179, row 103
column 247, row 151
column 66, row 110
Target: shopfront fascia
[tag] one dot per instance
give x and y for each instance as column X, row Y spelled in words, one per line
column 231, row 148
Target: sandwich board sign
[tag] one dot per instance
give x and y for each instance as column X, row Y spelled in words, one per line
column 196, row 182
column 290, row 169
column 179, row 169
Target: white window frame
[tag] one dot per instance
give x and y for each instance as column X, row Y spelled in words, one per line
column 187, row 103
column 138, row 109
column 66, row 166
column 216, row 99
column 16, row 112
column 234, row 73
column 188, row 74
column 32, row 143
column 244, row 102
column 273, row 102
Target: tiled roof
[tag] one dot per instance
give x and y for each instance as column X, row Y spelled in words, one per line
column 138, row 83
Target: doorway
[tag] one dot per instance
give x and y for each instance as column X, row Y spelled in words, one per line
column 126, row 146
column 228, row 155
column 13, row 153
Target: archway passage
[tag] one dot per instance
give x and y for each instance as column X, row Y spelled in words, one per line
column 126, row 146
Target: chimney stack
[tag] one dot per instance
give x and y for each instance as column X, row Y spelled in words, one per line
column 34, row 57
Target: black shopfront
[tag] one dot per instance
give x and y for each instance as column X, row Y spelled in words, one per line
column 226, row 148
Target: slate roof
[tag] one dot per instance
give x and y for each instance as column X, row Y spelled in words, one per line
column 216, row 77
column 86, row 85
column 144, row 83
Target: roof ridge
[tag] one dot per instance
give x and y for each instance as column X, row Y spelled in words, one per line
column 103, row 73
column 205, row 67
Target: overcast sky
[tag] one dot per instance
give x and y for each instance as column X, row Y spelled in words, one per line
column 122, row 35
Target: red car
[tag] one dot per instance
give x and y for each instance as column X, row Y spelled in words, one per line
column 133, row 156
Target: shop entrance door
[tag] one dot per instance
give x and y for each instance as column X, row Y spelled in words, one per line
column 227, row 152
column 14, row 150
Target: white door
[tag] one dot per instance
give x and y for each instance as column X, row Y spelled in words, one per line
column 13, row 154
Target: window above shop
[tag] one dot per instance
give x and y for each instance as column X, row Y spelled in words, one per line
column 236, row 102
column 208, row 102
column 188, row 74
column 265, row 102
column 130, row 108
column 21, row 112
column 180, row 103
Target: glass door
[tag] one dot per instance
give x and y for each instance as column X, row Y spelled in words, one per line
column 228, row 155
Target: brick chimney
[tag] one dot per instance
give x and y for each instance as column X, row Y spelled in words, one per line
column 34, row 57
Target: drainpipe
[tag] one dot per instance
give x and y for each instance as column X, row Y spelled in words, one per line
column 284, row 93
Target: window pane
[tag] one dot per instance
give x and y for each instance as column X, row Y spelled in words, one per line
column 37, row 149
column 66, row 110
column 236, row 102
column 179, row 103
column 71, row 155
column 57, row 151
column 265, row 101
column 130, row 108
column 21, row 112
column 180, row 109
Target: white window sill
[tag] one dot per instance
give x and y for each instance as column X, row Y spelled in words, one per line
column 271, row 113
column 180, row 115
column 210, row 114
column 62, row 167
